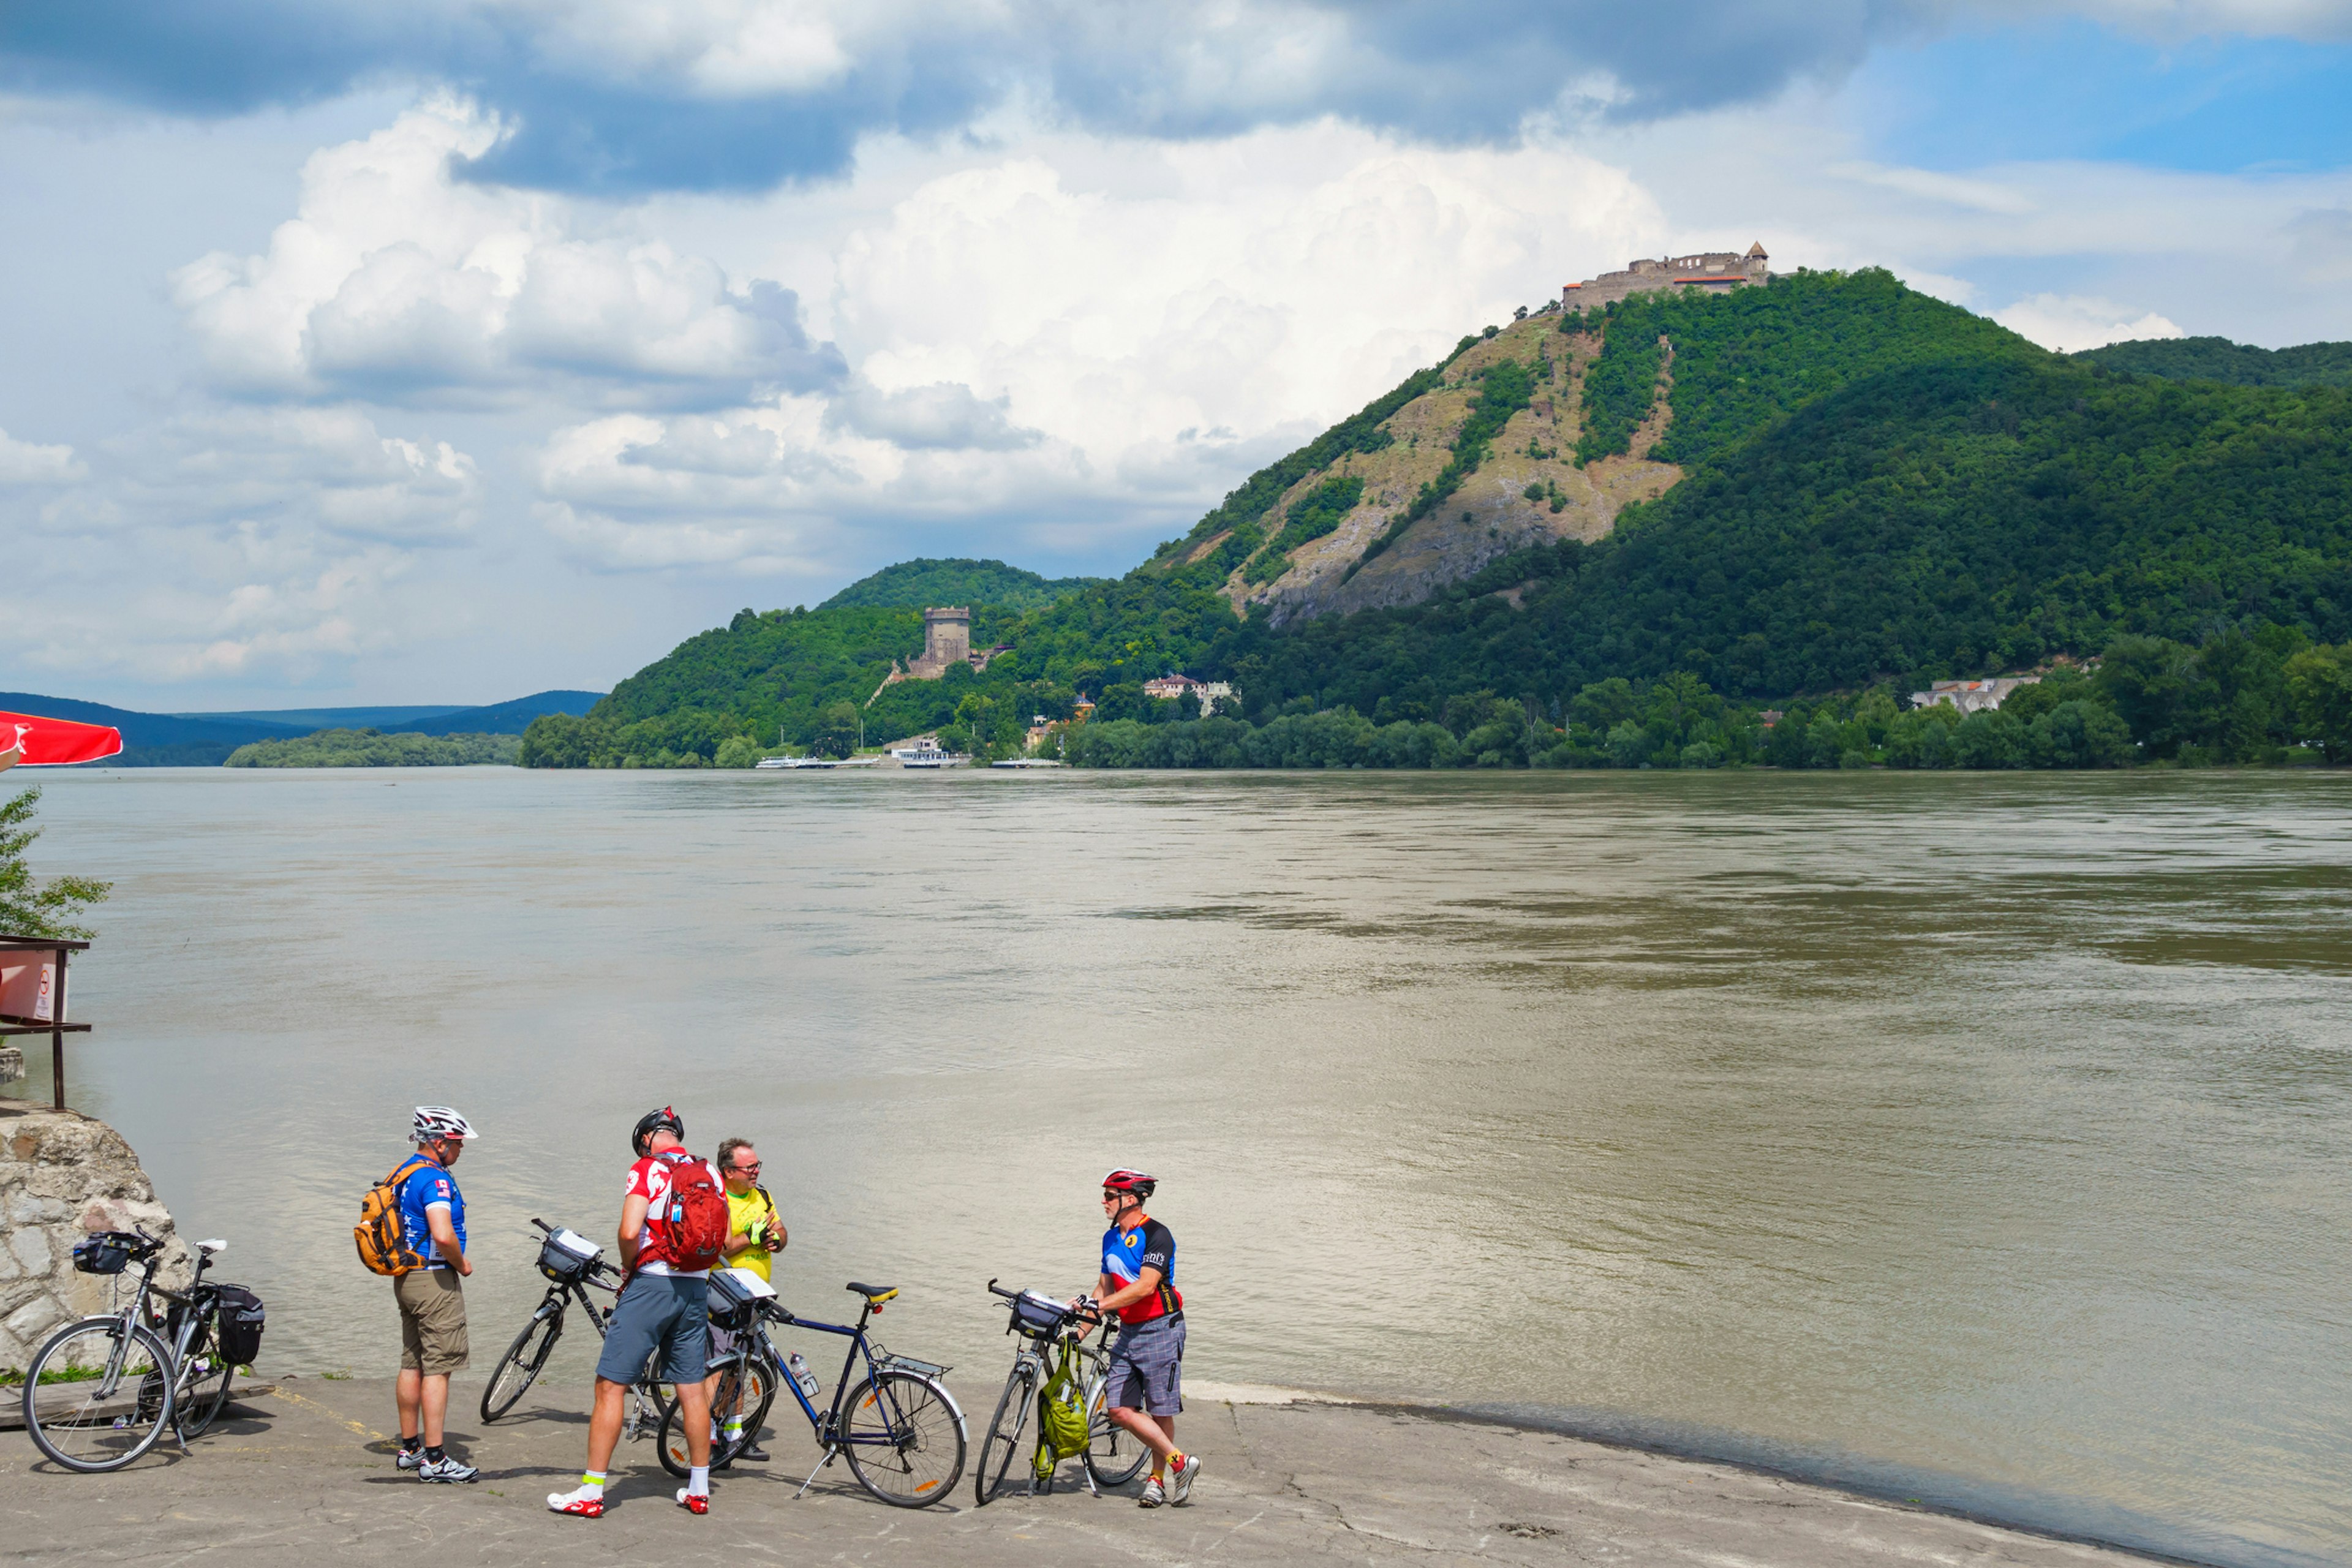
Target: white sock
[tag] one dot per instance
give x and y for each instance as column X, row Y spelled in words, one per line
column 697, row 1481
column 593, row 1483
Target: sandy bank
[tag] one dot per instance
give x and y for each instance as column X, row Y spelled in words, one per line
column 305, row 1476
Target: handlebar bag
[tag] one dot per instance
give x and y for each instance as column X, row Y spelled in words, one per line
column 105, row 1252
column 1035, row 1314
column 566, row 1256
column 733, row 1296
column 241, row 1322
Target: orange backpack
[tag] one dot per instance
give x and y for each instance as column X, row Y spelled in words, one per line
column 379, row 1235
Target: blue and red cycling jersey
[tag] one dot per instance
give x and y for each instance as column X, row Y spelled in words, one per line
column 1126, row 1254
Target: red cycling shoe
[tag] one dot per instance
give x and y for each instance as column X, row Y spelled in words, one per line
column 693, row 1502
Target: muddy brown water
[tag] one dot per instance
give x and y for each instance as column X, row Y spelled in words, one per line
column 1982, row 1140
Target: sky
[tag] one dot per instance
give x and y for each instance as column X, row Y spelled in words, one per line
column 453, row 350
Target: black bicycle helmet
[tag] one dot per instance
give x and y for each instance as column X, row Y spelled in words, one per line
column 664, row 1117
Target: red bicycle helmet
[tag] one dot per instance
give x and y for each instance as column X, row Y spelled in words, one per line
column 1125, row 1181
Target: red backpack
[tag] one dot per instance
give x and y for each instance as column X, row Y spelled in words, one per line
column 694, row 1217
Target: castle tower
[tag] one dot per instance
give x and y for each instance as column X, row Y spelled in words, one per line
column 947, row 640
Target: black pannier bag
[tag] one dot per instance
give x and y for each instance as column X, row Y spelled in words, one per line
column 241, row 1319
column 105, row 1252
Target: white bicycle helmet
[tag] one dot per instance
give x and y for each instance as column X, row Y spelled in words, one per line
column 435, row 1122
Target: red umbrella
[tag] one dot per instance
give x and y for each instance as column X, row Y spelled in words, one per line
column 39, row 743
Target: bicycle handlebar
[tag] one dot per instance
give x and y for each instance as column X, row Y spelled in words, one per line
column 1082, row 1314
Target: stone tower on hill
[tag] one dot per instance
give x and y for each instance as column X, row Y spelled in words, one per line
column 947, row 640
column 1713, row 271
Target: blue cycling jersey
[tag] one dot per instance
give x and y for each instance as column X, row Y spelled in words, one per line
column 1126, row 1254
column 429, row 1186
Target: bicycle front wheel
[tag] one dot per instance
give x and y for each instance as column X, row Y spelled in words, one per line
column 203, row 1385
column 904, row 1436
column 94, row 1400
column 670, row 1440
column 1114, row 1454
column 998, row 1450
column 518, row 1368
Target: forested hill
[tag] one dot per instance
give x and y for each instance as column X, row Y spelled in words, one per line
column 1849, row 484
column 913, row 584
column 2239, row 364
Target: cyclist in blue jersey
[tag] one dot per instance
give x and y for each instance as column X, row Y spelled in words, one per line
column 1144, row 1387
column 432, row 1303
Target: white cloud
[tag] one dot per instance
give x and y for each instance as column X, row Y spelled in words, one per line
column 27, row 463
column 1111, row 330
column 396, row 279
column 2073, row 322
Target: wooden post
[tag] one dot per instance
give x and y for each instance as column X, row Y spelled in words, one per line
column 57, row 1038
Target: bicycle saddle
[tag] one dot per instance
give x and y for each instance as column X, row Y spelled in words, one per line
column 877, row 1294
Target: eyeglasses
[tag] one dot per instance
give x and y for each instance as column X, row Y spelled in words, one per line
column 750, row 1170
column 1113, row 1197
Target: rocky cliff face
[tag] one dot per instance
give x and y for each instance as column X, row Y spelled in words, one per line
column 63, row 1176
column 1491, row 514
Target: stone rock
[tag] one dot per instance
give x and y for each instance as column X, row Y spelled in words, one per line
column 35, row 1319
column 63, row 1176
column 31, row 1208
column 30, row 1248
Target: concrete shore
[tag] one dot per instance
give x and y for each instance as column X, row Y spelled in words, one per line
column 304, row 1475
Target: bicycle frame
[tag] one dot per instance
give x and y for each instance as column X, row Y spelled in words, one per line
column 138, row 1312
column 826, row 1426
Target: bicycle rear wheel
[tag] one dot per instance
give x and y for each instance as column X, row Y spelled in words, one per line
column 106, row 1399
column 998, row 1450
column 202, row 1387
column 519, row 1367
column 904, row 1436
column 1114, row 1454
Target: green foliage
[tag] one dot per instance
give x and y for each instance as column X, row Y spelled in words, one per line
column 2218, row 358
column 1619, row 389
column 1506, row 387
column 374, row 749
column 738, row 751
column 838, row 730
column 1309, row 518
column 2319, row 690
column 38, row 909
column 920, row 584
column 1359, row 432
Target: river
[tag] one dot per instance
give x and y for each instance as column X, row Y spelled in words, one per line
column 1978, row 1139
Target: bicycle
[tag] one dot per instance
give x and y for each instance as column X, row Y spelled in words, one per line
column 1050, row 1328
column 123, row 1381
column 893, row 1419
column 572, row 1265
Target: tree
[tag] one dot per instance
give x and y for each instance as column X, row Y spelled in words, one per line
column 2319, row 686
column 837, row 730
column 737, row 752
column 31, row 909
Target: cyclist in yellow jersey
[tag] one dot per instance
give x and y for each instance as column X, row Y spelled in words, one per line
column 755, row 1236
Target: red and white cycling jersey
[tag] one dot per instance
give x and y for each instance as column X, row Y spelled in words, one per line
column 649, row 1179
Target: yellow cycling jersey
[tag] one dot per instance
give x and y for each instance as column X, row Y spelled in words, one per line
column 744, row 1215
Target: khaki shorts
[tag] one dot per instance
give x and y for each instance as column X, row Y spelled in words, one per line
column 431, row 1321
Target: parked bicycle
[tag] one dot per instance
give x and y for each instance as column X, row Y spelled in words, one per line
column 1054, row 1341
column 573, row 1266
column 100, row 1391
column 893, row 1419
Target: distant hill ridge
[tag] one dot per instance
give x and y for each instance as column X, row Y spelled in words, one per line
column 2235, row 364
column 919, row 583
column 206, row 740
column 1824, row 483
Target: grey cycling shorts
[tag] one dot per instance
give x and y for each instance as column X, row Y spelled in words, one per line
column 1146, row 1367
column 662, row 1312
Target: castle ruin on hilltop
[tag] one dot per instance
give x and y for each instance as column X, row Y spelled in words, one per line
column 947, row 640
column 1711, row 271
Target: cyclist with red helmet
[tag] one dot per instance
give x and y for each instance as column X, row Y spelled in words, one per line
column 1144, row 1387
column 660, row 1311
